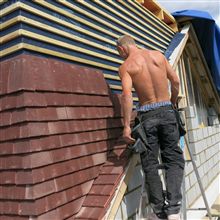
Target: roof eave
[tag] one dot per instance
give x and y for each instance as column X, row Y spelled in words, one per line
column 154, row 7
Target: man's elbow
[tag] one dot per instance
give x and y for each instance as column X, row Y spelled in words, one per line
column 175, row 86
column 176, row 83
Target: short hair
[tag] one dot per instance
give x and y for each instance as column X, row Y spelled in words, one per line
column 125, row 40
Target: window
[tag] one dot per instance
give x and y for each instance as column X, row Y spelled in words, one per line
column 180, row 70
column 194, row 93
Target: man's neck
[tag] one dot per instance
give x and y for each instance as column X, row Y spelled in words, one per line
column 132, row 49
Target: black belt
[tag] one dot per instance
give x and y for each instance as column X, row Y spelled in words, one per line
column 145, row 115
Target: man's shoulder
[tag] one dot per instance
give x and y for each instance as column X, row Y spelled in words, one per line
column 125, row 66
column 122, row 67
column 156, row 53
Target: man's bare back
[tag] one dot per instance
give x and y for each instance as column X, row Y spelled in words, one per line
column 147, row 69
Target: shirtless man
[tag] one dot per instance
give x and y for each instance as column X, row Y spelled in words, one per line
column 148, row 72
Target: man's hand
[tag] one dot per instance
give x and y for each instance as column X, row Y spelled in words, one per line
column 127, row 135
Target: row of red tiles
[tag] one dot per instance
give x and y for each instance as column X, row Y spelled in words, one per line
column 50, row 202
column 37, row 129
column 44, row 158
column 35, row 73
column 103, row 179
column 14, row 217
column 89, row 213
column 44, row 204
column 43, row 143
column 51, row 171
column 54, row 114
column 48, row 187
column 32, row 192
column 106, row 180
column 66, row 169
column 95, row 204
column 31, row 209
column 44, row 99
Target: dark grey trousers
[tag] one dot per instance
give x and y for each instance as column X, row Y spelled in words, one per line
column 162, row 133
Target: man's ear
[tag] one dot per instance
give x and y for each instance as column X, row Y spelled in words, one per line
column 119, row 47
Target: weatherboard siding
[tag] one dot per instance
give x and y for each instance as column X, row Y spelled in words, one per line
column 82, row 32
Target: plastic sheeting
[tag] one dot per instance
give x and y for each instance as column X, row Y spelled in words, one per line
column 173, row 44
column 208, row 34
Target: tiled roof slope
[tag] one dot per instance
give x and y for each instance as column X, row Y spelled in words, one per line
column 58, row 142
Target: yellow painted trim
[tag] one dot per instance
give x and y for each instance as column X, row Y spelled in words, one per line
column 69, row 57
column 64, row 23
column 113, row 19
column 68, row 46
column 145, row 18
column 122, row 16
column 57, row 20
column 74, row 17
column 42, row 14
column 3, row 1
column 9, row 9
column 149, row 13
column 57, row 54
column 10, row 22
column 66, row 34
column 10, row 36
column 120, row 88
column 137, row 19
column 11, row 49
column 19, row 32
column 109, row 76
column 115, row 87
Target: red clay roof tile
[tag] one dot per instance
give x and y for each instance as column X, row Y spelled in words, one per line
column 71, row 208
column 53, row 214
column 8, row 207
column 90, row 213
column 96, row 201
column 6, row 148
column 105, row 190
column 106, row 179
column 112, row 169
column 59, row 139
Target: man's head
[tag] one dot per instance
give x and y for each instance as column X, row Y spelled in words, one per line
column 123, row 44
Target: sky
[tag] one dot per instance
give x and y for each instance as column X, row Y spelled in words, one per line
column 211, row 6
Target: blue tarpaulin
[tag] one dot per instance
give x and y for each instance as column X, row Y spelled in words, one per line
column 173, row 44
column 208, row 34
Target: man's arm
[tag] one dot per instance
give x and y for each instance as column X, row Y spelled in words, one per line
column 174, row 80
column 127, row 103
